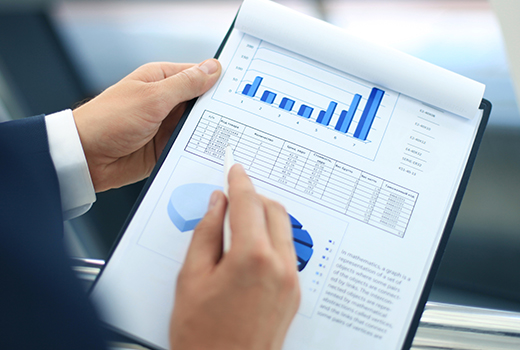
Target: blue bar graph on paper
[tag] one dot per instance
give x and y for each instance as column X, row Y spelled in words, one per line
column 369, row 114
column 345, row 119
column 325, row 117
column 287, row 104
column 251, row 89
column 268, row 97
column 305, row 111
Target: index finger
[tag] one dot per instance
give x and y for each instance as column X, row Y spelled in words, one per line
column 279, row 228
column 246, row 210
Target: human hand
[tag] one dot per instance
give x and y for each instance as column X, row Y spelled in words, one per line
column 124, row 129
column 247, row 298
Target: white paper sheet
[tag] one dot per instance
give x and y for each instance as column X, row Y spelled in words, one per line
column 383, row 66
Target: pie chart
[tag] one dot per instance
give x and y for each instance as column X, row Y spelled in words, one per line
column 188, row 204
column 302, row 243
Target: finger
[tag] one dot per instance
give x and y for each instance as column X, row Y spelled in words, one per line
column 279, row 228
column 157, row 71
column 246, row 210
column 169, row 68
column 190, row 83
column 206, row 244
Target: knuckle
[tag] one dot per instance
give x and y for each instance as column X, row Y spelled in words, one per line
column 147, row 66
column 277, row 206
column 261, row 263
column 260, row 257
column 254, row 199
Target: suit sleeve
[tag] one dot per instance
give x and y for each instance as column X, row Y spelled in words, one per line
column 42, row 303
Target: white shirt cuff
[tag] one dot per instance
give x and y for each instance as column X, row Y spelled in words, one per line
column 77, row 190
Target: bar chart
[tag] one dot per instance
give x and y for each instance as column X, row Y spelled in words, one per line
column 325, row 116
column 307, row 96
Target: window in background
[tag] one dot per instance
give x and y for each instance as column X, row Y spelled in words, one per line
column 108, row 40
column 462, row 36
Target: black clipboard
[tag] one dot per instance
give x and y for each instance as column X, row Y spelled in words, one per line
column 485, row 107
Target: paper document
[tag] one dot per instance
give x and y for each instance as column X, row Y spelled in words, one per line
column 365, row 150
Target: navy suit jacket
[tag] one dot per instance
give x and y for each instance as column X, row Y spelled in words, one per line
column 42, row 305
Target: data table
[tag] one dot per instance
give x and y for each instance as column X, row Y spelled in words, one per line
column 301, row 171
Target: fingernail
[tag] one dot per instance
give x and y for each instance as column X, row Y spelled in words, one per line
column 213, row 200
column 209, row 67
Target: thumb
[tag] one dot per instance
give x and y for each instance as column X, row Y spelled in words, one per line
column 206, row 244
column 191, row 82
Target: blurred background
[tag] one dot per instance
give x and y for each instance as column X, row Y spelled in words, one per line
column 54, row 54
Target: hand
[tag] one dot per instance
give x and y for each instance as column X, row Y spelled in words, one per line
column 247, row 298
column 124, row 129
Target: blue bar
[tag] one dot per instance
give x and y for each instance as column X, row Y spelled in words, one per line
column 320, row 117
column 287, row 104
column 246, row 89
column 345, row 123
column 282, row 104
column 369, row 114
column 252, row 89
column 268, row 97
column 341, row 120
column 305, row 111
column 308, row 112
column 327, row 116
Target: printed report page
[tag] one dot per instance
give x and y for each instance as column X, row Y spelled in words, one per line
column 367, row 175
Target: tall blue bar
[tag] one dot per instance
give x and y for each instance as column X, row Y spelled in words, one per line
column 305, row 111
column 251, row 89
column 344, row 123
column 268, row 97
column 327, row 116
column 369, row 114
column 286, row 104
column 341, row 120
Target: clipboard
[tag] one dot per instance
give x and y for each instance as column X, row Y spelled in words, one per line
column 345, row 155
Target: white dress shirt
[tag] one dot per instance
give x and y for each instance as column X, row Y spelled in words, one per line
column 77, row 190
